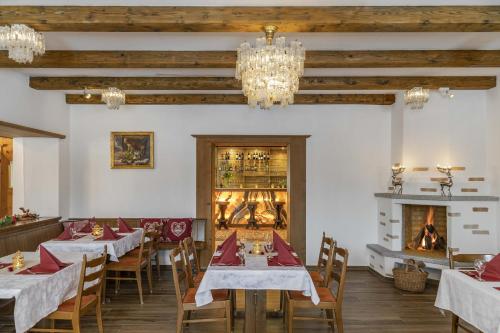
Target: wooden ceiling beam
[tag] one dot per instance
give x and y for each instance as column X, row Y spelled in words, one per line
column 230, row 83
column 11, row 130
column 227, row 59
column 181, row 99
column 251, row 19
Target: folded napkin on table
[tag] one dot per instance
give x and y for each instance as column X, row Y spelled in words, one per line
column 65, row 235
column 123, row 227
column 228, row 256
column 3, row 265
column 109, row 234
column 278, row 240
column 48, row 264
column 492, row 270
column 228, row 240
column 285, row 256
column 87, row 228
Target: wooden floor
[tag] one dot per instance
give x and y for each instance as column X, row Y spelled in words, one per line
column 370, row 305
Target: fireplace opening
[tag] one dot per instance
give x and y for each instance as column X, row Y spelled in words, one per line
column 425, row 229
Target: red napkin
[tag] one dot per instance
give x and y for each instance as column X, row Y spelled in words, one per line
column 497, row 288
column 109, row 234
column 228, row 240
column 65, row 235
column 123, row 227
column 48, row 264
column 87, row 228
column 278, row 240
column 492, row 271
column 228, row 257
column 3, row 265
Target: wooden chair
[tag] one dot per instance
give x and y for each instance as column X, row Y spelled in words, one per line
column 186, row 298
column 193, row 268
column 155, row 249
column 88, row 297
column 325, row 260
column 134, row 264
column 329, row 301
column 463, row 258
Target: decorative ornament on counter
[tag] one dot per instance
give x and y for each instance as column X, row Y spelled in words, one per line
column 447, row 184
column 97, row 231
column 397, row 182
column 6, row 220
column 18, row 260
column 26, row 215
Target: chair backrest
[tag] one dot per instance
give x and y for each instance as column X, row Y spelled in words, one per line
column 154, row 236
column 466, row 257
column 325, row 257
column 91, row 279
column 192, row 262
column 147, row 240
column 338, row 272
column 179, row 273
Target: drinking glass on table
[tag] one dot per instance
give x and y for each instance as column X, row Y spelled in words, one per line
column 72, row 231
column 480, row 267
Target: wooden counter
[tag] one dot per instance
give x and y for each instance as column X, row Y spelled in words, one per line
column 27, row 235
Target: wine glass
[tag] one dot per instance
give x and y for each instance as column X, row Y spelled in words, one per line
column 479, row 266
column 72, row 231
column 241, row 254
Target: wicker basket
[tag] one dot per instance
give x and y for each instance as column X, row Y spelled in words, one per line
column 410, row 278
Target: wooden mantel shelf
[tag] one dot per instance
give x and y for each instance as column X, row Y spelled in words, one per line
column 10, row 130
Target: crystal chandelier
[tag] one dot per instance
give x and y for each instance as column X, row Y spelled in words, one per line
column 113, row 97
column 417, row 97
column 269, row 72
column 22, row 42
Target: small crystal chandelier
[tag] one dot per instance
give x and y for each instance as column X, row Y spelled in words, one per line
column 113, row 97
column 417, row 97
column 22, row 42
column 269, row 72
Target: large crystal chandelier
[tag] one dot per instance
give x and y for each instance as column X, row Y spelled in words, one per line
column 417, row 97
column 22, row 42
column 269, row 72
column 113, row 97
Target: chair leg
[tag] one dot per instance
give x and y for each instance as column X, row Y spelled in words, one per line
column 149, row 273
column 117, row 282
column 138, row 278
column 158, row 264
column 98, row 314
column 76, row 325
column 52, row 324
column 180, row 319
column 228, row 317
column 329, row 315
column 339, row 320
column 454, row 323
column 290, row 316
column 104, row 282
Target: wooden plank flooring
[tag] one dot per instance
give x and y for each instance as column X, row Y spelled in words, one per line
column 370, row 305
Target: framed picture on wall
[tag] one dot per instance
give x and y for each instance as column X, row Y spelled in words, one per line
column 132, row 150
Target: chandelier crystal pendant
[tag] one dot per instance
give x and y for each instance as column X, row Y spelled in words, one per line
column 416, row 98
column 22, row 42
column 113, row 97
column 270, row 73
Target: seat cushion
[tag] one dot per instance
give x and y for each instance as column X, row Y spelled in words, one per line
column 325, row 295
column 197, row 279
column 218, row 295
column 69, row 305
column 316, row 276
column 126, row 262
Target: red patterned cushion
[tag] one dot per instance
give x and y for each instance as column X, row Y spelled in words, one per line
column 177, row 229
column 154, row 224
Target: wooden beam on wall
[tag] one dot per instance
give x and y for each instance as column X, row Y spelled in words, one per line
column 250, row 19
column 230, row 83
column 180, row 99
column 227, row 59
column 10, row 130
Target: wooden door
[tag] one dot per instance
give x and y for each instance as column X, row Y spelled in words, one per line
column 5, row 187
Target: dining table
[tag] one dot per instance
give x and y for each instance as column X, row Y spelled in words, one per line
column 476, row 302
column 255, row 276
column 86, row 243
column 38, row 295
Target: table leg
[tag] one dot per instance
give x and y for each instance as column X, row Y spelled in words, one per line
column 255, row 311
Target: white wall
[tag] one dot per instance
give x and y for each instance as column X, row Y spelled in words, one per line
column 493, row 145
column 348, row 150
column 42, row 110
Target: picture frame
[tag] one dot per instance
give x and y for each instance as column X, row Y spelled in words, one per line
column 132, row 150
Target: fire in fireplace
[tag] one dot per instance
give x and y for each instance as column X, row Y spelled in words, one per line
column 425, row 228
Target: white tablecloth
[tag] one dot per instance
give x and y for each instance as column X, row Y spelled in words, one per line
column 87, row 244
column 476, row 302
column 255, row 275
column 39, row 295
